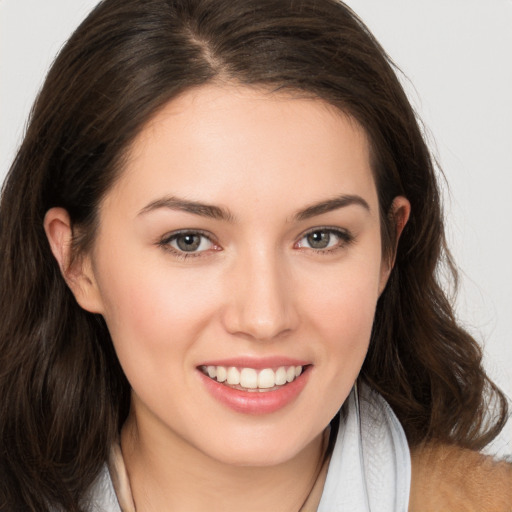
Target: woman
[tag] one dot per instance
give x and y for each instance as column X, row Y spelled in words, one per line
column 219, row 247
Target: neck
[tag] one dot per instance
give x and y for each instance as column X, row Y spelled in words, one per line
column 169, row 474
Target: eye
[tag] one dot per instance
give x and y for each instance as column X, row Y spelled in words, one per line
column 187, row 242
column 324, row 239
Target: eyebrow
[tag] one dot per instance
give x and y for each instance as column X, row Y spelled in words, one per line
column 219, row 213
column 329, row 205
column 184, row 205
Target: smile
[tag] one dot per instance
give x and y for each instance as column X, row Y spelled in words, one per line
column 250, row 379
column 255, row 386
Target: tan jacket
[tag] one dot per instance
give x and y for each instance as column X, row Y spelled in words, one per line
column 451, row 479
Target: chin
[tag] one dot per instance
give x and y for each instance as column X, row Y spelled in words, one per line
column 256, row 458
column 260, row 450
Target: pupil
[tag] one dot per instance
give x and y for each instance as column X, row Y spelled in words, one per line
column 318, row 239
column 188, row 242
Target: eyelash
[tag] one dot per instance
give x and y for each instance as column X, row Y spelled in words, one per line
column 165, row 243
column 344, row 236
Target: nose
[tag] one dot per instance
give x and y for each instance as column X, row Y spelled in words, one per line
column 261, row 301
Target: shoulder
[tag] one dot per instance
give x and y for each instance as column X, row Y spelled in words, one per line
column 446, row 477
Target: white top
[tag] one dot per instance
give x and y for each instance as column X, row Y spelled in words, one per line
column 369, row 470
column 370, row 467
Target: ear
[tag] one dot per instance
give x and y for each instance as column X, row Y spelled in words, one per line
column 77, row 272
column 399, row 213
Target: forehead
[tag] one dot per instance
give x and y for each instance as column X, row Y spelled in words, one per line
column 218, row 143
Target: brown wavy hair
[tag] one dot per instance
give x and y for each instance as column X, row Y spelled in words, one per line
column 63, row 395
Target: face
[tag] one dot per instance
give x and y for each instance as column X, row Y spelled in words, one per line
column 238, row 265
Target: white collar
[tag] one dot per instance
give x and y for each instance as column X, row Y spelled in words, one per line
column 370, row 467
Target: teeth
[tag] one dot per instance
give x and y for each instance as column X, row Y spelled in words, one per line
column 249, row 378
column 266, row 379
column 233, row 376
column 281, row 376
column 222, row 374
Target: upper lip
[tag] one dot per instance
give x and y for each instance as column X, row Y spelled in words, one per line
column 258, row 363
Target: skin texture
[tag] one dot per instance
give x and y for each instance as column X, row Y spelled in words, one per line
column 255, row 288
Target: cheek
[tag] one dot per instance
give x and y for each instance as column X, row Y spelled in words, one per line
column 345, row 297
column 152, row 315
column 346, row 329
column 338, row 312
column 341, row 312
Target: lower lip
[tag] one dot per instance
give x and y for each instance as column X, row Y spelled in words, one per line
column 256, row 402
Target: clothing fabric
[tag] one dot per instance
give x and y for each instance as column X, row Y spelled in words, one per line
column 369, row 469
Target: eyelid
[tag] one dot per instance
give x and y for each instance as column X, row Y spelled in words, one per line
column 345, row 236
column 165, row 242
column 186, row 231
